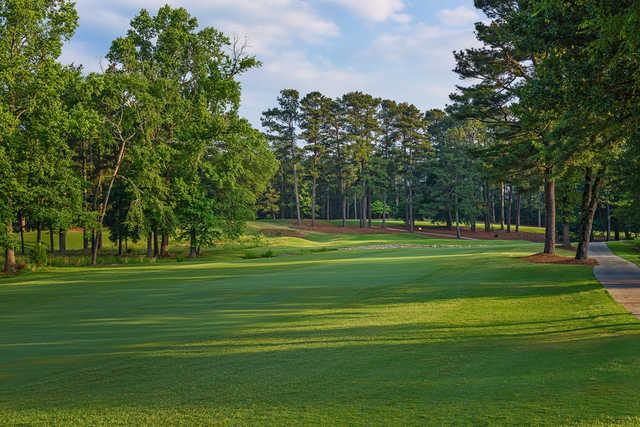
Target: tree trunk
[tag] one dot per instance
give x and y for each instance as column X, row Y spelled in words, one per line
column 616, row 229
column 52, row 247
column 589, row 205
column 458, row 234
column 449, row 217
column 550, row 205
column 343, row 196
column 608, row 222
column 95, row 245
column 384, row 210
column 156, row 247
column 355, row 207
column 38, row 233
column 488, row 208
column 9, row 260
column 193, row 250
column 85, row 241
column 21, row 219
column 62, row 241
column 164, row 246
column 502, row 206
column 297, row 193
column 9, row 254
column 119, row 245
column 283, row 197
column 149, row 245
column 327, row 211
column 518, row 211
column 566, row 235
column 363, row 209
column 411, row 210
column 509, row 208
column 369, row 213
column 313, row 201
column 492, row 210
column 539, row 212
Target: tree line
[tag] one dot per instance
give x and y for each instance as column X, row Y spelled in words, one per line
column 360, row 157
column 150, row 148
column 545, row 131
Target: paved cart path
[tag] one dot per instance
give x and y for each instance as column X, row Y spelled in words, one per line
column 621, row 278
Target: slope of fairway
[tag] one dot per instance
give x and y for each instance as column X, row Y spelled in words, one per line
column 400, row 331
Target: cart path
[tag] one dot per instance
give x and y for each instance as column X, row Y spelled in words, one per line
column 620, row 278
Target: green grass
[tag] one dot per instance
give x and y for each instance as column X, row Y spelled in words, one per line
column 426, row 223
column 627, row 249
column 422, row 332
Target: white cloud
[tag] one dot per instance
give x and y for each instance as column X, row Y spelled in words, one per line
column 377, row 10
column 460, row 16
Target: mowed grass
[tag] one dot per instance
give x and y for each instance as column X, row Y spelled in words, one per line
column 627, row 249
column 396, row 330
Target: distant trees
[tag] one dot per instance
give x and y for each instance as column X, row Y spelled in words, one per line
column 152, row 148
column 367, row 158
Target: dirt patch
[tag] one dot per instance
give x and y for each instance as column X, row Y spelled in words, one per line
column 333, row 229
column 557, row 259
column 282, row 232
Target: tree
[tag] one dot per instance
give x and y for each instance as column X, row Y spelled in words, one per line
column 361, row 127
column 31, row 38
column 314, row 109
column 281, row 123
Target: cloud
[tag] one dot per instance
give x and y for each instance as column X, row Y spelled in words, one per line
column 81, row 53
column 459, row 16
column 377, row 10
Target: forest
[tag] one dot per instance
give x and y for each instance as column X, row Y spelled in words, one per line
column 542, row 130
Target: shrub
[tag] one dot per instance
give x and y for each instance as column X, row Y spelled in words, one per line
column 38, row 255
column 267, row 254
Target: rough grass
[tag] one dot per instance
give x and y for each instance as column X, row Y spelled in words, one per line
column 627, row 249
column 448, row 332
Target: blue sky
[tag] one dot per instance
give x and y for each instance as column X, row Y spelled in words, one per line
column 397, row 49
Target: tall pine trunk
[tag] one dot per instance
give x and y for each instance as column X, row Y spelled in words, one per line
column 62, row 241
column 193, row 250
column 589, row 205
column 156, row 247
column 502, row 206
column 313, row 200
column 149, row 245
column 509, row 208
column 566, row 235
column 384, row 210
column 343, row 196
column 518, row 210
column 608, row 222
column 297, row 193
column 164, row 246
column 458, row 233
column 488, row 208
column 410, row 209
column 95, row 245
column 550, row 213
column 85, row 241
column 52, row 247
column 9, row 254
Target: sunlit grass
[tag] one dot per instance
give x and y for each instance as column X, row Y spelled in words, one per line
column 627, row 249
column 433, row 332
